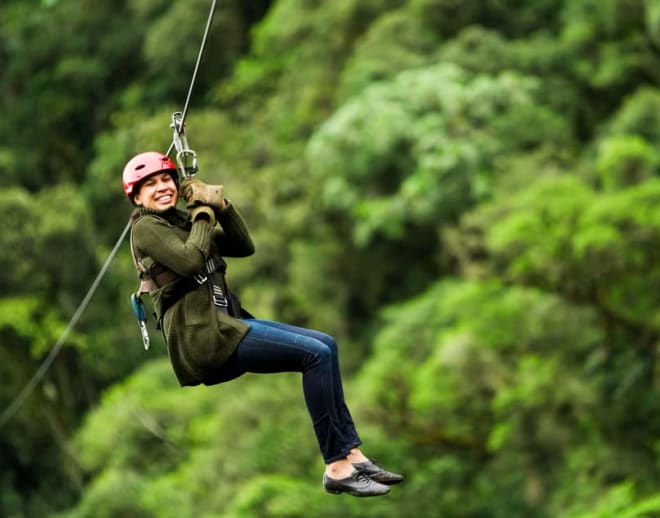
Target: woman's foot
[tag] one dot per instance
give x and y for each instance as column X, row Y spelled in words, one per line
column 356, row 456
column 362, row 463
column 356, row 484
column 378, row 474
column 339, row 469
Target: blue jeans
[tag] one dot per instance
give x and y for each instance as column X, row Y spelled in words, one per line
column 275, row 347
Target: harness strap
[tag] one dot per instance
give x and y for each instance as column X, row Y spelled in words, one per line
column 156, row 280
column 187, row 284
column 158, row 276
column 150, row 279
column 212, row 275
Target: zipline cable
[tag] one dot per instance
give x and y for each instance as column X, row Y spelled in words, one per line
column 43, row 368
column 22, row 396
column 186, row 105
column 209, row 21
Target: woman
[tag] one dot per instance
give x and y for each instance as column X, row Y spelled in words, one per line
column 210, row 337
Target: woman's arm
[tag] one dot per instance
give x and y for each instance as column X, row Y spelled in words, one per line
column 233, row 239
column 183, row 253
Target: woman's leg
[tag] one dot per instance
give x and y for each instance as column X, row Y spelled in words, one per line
column 269, row 348
column 348, row 426
column 275, row 347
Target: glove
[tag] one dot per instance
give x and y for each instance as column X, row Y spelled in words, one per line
column 195, row 192
column 199, row 212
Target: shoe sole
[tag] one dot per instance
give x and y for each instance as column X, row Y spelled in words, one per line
column 387, row 482
column 354, row 493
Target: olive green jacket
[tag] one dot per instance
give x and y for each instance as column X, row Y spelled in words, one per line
column 199, row 337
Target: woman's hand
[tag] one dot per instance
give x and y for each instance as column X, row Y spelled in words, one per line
column 203, row 212
column 195, row 192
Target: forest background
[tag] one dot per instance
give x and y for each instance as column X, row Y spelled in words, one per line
column 466, row 194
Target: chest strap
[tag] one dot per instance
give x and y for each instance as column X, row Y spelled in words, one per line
column 150, row 281
column 150, row 278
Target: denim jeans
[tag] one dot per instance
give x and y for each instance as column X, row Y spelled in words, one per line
column 275, row 347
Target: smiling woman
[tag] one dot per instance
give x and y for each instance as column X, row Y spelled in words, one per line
column 158, row 192
column 210, row 338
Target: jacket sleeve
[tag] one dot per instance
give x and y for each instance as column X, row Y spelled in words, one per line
column 233, row 238
column 183, row 253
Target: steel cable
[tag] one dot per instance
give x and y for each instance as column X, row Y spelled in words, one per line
column 22, row 396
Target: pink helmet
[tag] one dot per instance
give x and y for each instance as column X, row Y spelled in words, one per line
column 143, row 165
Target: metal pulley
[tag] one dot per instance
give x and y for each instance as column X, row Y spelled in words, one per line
column 186, row 158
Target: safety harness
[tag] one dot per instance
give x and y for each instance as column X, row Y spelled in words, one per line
column 155, row 276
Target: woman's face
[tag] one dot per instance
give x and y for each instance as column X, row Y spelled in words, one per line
column 157, row 192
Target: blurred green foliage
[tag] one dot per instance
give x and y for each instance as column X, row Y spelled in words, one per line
column 466, row 194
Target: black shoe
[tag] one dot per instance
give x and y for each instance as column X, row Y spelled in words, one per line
column 375, row 472
column 358, row 484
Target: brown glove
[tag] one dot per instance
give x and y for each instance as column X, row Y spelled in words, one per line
column 199, row 212
column 195, row 192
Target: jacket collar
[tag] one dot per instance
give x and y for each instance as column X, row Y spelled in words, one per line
column 172, row 215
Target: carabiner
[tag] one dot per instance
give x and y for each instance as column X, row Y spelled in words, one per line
column 141, row 315
column 186, row 158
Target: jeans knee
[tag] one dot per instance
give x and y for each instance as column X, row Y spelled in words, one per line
column 321, row 354
column 331, row 343
column 325, row 353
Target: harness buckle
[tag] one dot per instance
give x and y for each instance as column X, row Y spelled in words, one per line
column 220, row 302
column 200, row 278
column 219, row 298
